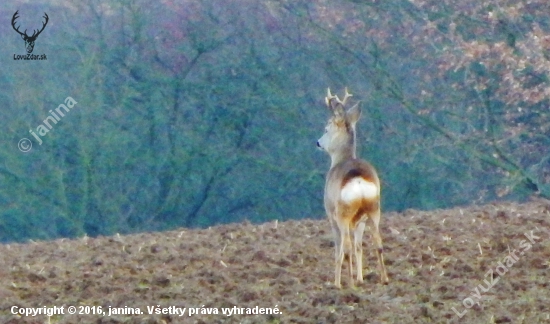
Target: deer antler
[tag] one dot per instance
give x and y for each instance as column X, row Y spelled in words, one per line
column 13, row 19
column 43, row 26
column 24, row 34
column 347, row 95
column 341, row 102
column 329, row 97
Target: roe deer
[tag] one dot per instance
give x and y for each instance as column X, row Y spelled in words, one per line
column 352, row 190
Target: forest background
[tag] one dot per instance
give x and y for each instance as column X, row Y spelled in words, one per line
column 199, row 112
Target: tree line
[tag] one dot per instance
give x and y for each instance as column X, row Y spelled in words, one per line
column 195, row 113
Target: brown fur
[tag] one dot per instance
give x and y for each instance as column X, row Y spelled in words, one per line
column 358, row 168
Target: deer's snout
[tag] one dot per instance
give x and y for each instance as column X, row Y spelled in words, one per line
column 318, row 145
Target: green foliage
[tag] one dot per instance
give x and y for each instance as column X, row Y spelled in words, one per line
column 198, row 113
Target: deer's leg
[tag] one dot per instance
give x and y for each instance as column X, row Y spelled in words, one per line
column 349, row 250
column 342, row 246
column 338, row 248
column 336, row 235
column 358, row 249
column 339, row 261
column 375, row 217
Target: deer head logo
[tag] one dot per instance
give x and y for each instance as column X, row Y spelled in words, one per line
column 29, row 40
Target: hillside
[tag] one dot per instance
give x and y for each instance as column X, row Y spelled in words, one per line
column 436, row 260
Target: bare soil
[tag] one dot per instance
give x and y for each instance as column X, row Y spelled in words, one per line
column 481, row 257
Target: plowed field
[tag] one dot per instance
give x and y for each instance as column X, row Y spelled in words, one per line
column 479, row 264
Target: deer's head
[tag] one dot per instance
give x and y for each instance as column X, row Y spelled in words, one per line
column 339, row 138
column 29, row 40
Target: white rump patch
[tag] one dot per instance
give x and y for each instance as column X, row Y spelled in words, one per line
column 358, row 188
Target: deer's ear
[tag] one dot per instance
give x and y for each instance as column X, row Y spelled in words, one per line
column 353, row 114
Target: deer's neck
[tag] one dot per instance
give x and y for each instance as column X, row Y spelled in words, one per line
column 346, row 153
